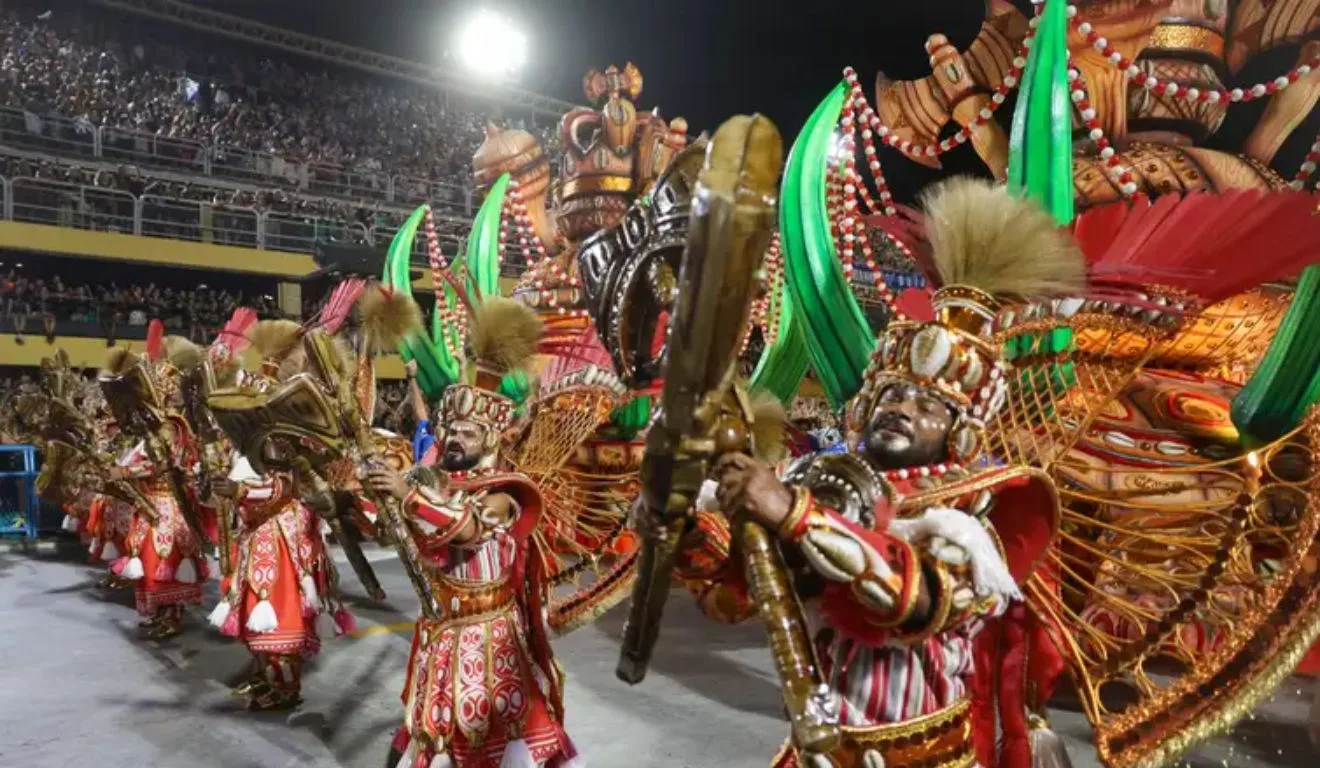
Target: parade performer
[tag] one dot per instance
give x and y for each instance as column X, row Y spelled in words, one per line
column 907, row 544
column 280, row 576
column 483, row 688
column 164, row 558
column 272, row 600
column 77, row 437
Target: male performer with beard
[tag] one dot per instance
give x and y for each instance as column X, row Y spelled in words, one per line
column 482, row 687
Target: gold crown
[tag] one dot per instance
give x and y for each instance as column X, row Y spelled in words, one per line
column 466, row 402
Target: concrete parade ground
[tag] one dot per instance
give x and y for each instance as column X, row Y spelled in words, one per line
column 80, row 689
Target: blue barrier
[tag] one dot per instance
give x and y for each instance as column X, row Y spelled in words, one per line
column 20, row 509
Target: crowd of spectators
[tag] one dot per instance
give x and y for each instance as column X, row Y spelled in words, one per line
column 45, row 190
column 46, row 305
column 205, row 133
column 107, row 70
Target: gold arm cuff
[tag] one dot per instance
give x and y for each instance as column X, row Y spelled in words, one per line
column 792, row 526
column 942, row 608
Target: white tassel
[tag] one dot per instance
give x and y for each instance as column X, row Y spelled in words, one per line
column 441, row 760
column 93, row 544
column 70, row 524
column 220, row 613
column 989, row 573
column 309, row 597
column 110, row 551
column 186, row 573
column 262, row 619
column 409, row 756
column 241, row 471
column 133, row 569
column 517, row 755
column 1047, row 748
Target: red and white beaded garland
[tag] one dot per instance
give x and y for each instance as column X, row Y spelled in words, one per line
column 543, row 265
column 847, row 197
column 1181, row 90
column 449, row 316
column 1121, row 176
column 1307, row 170
column 1133, row 73
column 763, row 313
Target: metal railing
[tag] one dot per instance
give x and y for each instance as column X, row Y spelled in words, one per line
column 61, row 136
column 62, row 204
column 41, row 201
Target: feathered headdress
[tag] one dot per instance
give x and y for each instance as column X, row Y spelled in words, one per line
column 182, row 353
column 989, row 249
column 224, row 353
column 277, row 342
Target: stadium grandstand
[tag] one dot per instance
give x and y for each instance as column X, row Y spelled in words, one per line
column 158, row 159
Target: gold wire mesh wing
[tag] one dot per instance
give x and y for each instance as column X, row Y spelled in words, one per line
column 585, row 514
column 1182, row 584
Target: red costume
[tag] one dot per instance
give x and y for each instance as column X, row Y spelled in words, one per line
column 280, row 584
column 165, row 562
column 482, row 681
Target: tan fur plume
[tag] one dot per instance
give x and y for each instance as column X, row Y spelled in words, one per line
column 183, row 354
column 387, row 316
column 983, row 236
column 769, row 427
column 118, row 361
column 504, row 334
column 293, row 363
column 273, row 339
column 226, row 373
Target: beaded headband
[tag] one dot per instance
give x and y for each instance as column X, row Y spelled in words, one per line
column 465, row 402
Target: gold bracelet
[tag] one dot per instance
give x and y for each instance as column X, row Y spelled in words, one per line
column 789, row 527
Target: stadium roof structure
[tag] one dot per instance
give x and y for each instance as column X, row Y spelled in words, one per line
column 255, row 32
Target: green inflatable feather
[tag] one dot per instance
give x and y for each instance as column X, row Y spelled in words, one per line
column 1286, row 384
column 783, row 364
column 1040, row 168
column 482, row 262
column 839, row 339
column 483, row 251
column 1040, row 144
column 632, row 417
column 436, row 368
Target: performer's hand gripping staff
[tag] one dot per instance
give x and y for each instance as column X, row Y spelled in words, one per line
column 380, row 334
column 704, row 415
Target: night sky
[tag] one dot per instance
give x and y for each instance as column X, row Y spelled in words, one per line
column 708, row 59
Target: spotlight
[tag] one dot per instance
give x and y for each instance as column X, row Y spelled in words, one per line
column 489, row 44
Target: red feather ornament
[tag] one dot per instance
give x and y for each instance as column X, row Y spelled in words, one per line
column 156, row 341
column 232, row 339
column 1213, row 246
column 340, row 305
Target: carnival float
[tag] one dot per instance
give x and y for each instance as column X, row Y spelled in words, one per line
column 1180, row 592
